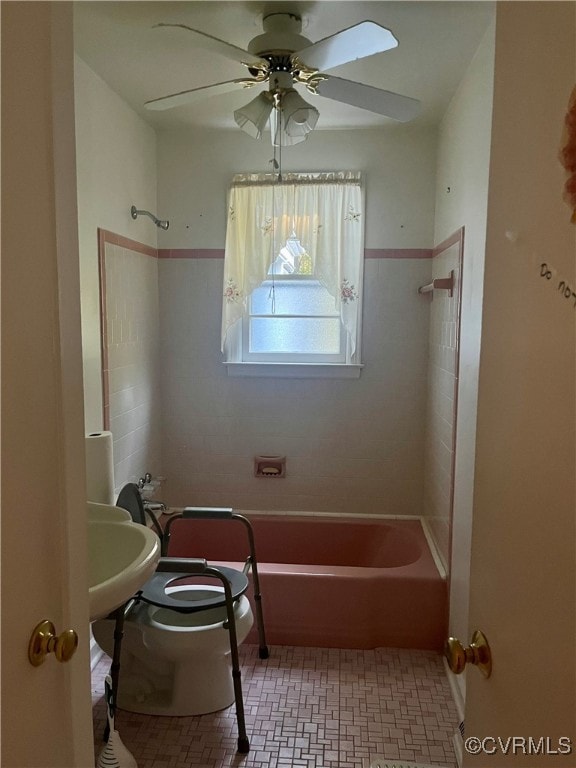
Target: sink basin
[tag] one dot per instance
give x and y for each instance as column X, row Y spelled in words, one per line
column 122, row 557
column 107, row 513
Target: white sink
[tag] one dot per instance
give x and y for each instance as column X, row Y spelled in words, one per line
column 122, row 557
column 106, row 512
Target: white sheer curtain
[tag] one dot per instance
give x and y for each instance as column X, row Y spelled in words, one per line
column 324, row 211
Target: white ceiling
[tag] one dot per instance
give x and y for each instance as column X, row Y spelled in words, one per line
column 117, row 40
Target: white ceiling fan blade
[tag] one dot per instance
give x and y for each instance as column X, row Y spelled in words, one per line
column 193, row 95
column 356, row 42
column 401, row 108
column 211, row 43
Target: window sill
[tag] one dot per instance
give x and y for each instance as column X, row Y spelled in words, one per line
column 295, row 370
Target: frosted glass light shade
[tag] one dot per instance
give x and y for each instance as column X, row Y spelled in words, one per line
column 253, row 117
column 278, row 131
column 299, row 117
column 290, row 123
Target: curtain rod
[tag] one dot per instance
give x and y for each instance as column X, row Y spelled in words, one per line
column 291, row 179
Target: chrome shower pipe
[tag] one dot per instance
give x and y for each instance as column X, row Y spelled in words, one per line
column 159, row 222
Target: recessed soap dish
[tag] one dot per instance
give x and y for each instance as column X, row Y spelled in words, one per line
column 270, row 466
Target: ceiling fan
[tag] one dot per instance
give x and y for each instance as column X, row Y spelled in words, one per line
column 282, row 57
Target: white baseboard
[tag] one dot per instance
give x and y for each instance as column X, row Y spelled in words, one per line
column 455, row 690
column 458, row 744
column 458, row 698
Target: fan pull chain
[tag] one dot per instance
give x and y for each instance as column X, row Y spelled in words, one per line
column 277, row 165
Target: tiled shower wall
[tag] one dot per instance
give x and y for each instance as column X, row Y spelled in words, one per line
column 130, row 351
column 443, row 369
column 382, row 444
column 353, row 446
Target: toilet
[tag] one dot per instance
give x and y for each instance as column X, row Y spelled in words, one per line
column 176, row 663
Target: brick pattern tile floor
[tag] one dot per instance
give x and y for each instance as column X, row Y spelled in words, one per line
column 306, row 708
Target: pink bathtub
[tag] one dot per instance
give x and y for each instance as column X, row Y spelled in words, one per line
column 333, row 582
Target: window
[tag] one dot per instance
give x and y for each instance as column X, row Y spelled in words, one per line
column 292, row 318
column 293, row 270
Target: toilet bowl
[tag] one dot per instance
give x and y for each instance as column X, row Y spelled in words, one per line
column 176, row 663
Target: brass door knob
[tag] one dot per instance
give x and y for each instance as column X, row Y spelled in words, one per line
column 477, row 653
column 44, row 641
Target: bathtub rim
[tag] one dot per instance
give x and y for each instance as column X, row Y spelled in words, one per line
column 361, row 516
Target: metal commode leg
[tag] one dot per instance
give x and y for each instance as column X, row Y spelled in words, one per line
column 251, row 563
column 118, row 615
column 243, row 743
column 199, row 567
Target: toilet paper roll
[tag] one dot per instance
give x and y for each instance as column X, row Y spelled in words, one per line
column 100, row 467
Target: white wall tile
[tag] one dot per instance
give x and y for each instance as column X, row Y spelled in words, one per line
column 133, row 360
column 355, row 446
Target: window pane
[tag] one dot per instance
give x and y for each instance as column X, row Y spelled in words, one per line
column 295, row 297
column 295, row 335
column 292, row 259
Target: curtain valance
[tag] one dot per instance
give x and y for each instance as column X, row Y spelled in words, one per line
column 324, row 211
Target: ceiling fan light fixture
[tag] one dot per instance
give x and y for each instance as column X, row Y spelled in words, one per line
column 278, row 132
column 282, row 56
column 298, row 117
column 252, row 118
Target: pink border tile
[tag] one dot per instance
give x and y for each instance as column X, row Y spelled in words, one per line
column 102, row 240
column 369, row 253
column 456, row 238
column 191, row 253
column 398, row 253
column 105, row 236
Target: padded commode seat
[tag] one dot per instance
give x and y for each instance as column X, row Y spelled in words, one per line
column 154, row 591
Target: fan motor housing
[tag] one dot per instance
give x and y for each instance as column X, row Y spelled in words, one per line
column 281, row 37
column 279, row 62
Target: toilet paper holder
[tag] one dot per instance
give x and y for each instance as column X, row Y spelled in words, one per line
column 270, row 466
